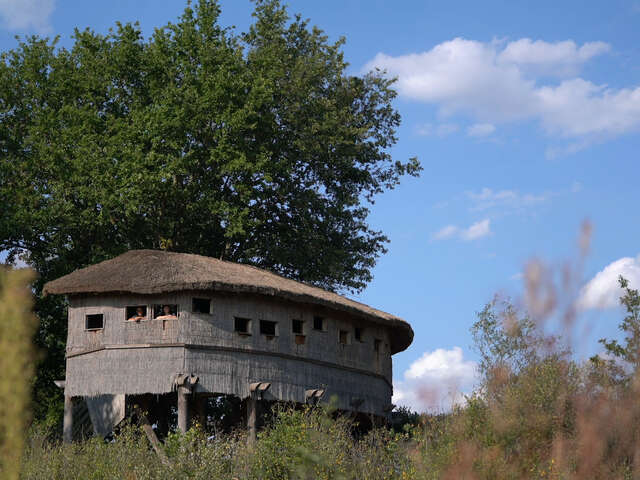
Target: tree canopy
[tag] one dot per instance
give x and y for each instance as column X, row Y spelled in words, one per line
column 254, row 147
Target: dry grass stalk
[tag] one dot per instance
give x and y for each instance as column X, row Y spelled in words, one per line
column 17, row 326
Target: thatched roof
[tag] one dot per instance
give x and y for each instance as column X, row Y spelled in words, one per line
column 153, row 272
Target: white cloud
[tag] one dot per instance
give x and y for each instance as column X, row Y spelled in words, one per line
column 436, row 381
column 481, row 129
column 603, row 291
column 475, row 231
column 27, row 14
column 557, row 59
column 441, row 129
column 446, row 232
column 498, row 82
column 488, row 198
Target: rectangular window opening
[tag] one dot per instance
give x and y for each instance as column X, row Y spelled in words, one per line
column 165, row 312
column 319, row 324
column 297, row 327
column 357, row 334
column 136, row 313
column 344, row 337
column 242, row 325
column 201, row 305
column 376, row 344
column 94, row 322
column 268, row 327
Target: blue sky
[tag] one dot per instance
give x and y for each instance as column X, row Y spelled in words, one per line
column 525, row 117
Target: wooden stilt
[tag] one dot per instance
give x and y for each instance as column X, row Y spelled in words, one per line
column 67, row 426
column 183, row 408
column 254, row 403
column 252, row 419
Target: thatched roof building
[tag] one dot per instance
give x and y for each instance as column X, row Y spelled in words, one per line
column 153, row 272
column 152, row 323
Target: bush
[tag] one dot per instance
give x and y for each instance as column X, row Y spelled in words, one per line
column 308, row 443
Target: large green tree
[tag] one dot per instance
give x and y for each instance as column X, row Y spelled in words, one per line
column 254, row 147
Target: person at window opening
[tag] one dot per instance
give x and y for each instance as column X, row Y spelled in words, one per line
column 138, row 316
column 166, row 314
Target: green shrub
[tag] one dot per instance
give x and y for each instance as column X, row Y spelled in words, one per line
column 308, row 443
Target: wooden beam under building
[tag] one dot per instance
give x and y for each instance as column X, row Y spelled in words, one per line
column 254, row 404
column 67, row 423
column 185, row 385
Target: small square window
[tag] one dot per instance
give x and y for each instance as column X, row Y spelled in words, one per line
column 94, row 322
column 376, row 344
column 165, row 311
column 357, row 333
column 319, row 323
column 201, row 305
column 344, row 337
column 242, row 325
column 297, row 326
column 136, row 312
column 268, row 328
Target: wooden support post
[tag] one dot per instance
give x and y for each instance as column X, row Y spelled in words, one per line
column 67, row 426
column 183, row 408
column 185, row 384
column 254, row 402
column 252, row 419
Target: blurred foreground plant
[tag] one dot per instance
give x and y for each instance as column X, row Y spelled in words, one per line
column 538, row 412
column 17, row 326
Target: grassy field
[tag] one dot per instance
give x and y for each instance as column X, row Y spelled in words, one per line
column 537, row 433
column 536, row 412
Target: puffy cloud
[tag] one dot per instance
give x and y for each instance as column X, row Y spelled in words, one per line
column 27, row 14
column 557, row 59
column 503, row 82
column 481, row 129
column 460, row 75
column 436, row 381
column 603, row 291
column 475, row 231
column 578, row 107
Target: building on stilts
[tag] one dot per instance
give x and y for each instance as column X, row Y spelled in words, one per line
column 170, row 331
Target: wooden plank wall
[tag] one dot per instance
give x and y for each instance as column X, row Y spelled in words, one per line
column 227, row 366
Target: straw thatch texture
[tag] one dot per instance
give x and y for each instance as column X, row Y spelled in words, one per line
column 217, row 327
column 131, row 371
column 154, row 272
column 232, row 372
column 152, row 370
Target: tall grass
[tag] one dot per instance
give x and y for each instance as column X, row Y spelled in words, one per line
column 537, row 413
column 17, row 326
column 302, row 444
